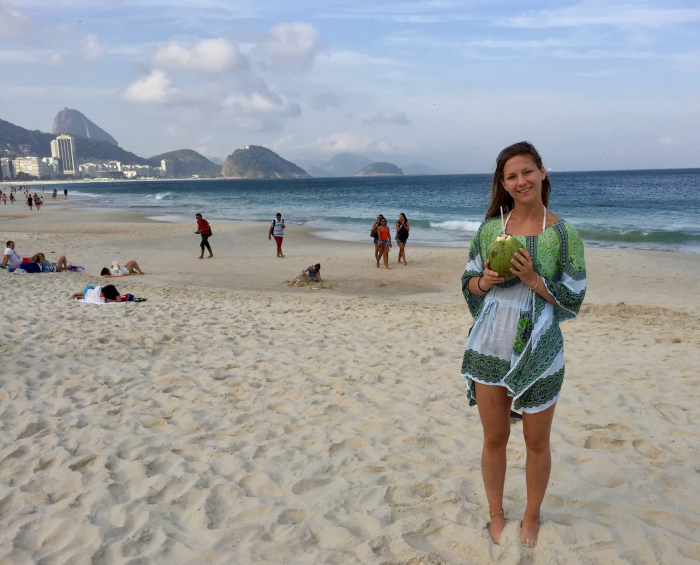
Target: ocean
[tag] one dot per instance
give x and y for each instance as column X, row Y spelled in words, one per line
column 646, row 209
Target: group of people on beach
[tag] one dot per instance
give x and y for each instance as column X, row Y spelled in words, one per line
column 381, row 234
column 31, row 199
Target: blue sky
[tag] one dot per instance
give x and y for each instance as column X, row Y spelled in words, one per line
column 595, row 85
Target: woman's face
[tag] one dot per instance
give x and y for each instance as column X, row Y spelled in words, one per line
column 383, row 222
column 523, row 180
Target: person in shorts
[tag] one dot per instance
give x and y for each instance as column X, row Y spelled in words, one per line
column 204, row 229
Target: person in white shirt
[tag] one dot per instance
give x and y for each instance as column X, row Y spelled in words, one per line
column 10, row 256
column 98, row 294
column 277, row 230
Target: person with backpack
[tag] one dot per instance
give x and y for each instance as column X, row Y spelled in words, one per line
column 277, row 230
column 204, row 229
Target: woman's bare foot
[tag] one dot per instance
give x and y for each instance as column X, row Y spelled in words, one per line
column 389, row 268
column 529, row 529
column 496, row 528
column 210, row 256
column 377, row 265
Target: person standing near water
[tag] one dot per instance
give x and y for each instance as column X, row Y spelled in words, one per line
column 384, row 242
column 402, row 228
column 277, row 229
column 515, row 350
column 203, row 229
column 30, row 201
column 374, row 236
column 65, row 193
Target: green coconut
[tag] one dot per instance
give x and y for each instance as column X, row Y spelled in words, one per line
column 501, row 252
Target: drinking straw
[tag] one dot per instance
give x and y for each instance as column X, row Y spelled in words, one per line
column 502, row 222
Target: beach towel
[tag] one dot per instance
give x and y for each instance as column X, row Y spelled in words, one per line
column 118, row 276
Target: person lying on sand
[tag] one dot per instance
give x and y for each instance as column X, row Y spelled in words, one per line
column 98, row 294
column 315, row 272
column 61, row 265
column 131, row 268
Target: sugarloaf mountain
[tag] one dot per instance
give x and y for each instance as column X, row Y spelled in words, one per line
column 501, row 252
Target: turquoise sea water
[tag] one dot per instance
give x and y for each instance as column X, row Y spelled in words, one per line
column 651, row 209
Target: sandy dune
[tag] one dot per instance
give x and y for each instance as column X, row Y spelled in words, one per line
column 233, row 419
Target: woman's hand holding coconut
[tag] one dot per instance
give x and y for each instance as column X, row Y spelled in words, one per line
column 481, row 285
column 523, row 268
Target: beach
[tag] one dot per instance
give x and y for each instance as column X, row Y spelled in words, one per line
column 234, row 419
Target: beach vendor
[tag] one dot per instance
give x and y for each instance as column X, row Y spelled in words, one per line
column 277, row 230
column 515, row 350
column 204, row 229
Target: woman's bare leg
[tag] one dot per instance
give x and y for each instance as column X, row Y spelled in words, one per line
column 386, row 256
column 536, row 431
column 494, row 409
column 133, row 266
column 402, row 252
column 62, row 262
column 376, row 253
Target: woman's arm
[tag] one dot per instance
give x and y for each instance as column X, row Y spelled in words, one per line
column 481, row 285
column 524, row 268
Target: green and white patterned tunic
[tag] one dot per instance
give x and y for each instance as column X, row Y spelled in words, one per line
column 515, row 341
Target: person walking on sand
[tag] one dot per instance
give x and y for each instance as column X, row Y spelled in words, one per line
column 37, row 201
column 30, row 201
column 53, row 197
column 515, row 350
column 204, row 229
column 375, row 237
column 65, row 193
column 277, row 230
column 12, row 198
column 384, row 243
column 402, row 228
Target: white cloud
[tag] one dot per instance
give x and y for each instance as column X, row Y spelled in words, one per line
column 293, row 44
column 343, row 142
column 13, row 23
column 596, row 14
column 55, row 59
column 92, row 47
column 152, row 89
column 387, row 117
column 208, row 56
column 324, row 99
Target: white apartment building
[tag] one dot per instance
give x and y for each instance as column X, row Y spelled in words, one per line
column 7, row 169
column 111, row 166
column 32, row 166
column 54, row 163
column 168, row 168
column 63, row 148
column 88, row 170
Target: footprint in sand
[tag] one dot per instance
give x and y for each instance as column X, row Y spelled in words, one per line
column 599, row 441
column 646, row 449
column 259, row 484
column 410, row 495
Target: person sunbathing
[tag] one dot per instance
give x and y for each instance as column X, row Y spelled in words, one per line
column 61, row 265
column 98, row 294
column 131, row 268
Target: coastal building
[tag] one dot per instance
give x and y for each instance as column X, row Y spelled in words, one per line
column 54, row 163
column 32, row 166
column 7, row 169
column 63, row 148
column 110, row 167
column 88, row 170
column 168, row 167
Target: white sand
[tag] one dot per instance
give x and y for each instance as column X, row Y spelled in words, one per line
column 233, row 419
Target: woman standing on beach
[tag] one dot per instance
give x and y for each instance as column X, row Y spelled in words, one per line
column 30, row 201
column 373, row 234
column 515, row 351
column 402, row 228
column 384, row 242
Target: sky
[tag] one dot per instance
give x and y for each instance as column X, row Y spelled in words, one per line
column 595, row 85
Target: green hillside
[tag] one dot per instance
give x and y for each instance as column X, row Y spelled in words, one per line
column 188, row 163
column 256, row 162
column 34, row 142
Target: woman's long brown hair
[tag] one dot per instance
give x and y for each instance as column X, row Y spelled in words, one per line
column 499, row 195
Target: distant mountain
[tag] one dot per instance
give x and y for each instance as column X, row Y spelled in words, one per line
column 419, row 169
column 256, row 162
column 188, row 163
column 380, row 169
column 342, row 165
column 216, row 160
column 73, row 122
column 22, row 141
